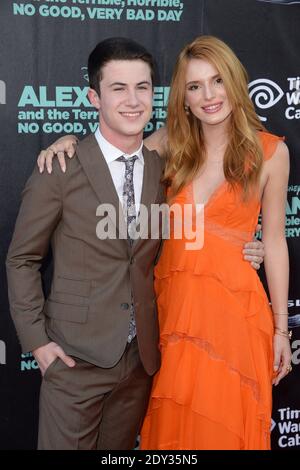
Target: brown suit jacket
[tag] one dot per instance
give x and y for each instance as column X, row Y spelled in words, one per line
column 87, row 312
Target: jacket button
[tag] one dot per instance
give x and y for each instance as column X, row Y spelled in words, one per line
column 125, row 306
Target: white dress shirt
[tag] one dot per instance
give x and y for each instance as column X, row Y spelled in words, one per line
column 117, row 169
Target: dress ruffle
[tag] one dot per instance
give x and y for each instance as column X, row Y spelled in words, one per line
column 220, row 344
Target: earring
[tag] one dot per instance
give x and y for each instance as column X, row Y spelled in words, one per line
column 187, row 109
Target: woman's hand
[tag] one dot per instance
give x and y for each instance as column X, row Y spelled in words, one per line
column 254, row 252
column 66, row 144
column 282, row 357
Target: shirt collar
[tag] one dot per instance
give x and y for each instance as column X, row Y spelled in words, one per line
column 111, row 153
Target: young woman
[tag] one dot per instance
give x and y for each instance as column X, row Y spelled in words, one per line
column 222, row 345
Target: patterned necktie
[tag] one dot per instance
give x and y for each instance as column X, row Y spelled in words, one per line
column 130, row 216
column 128, row 194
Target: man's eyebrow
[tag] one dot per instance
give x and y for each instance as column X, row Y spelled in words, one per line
column 144, row 82
column 117, row 83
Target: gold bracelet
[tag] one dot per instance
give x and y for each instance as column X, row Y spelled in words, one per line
column 277, row 313
column 286, row 333
column 280, row 334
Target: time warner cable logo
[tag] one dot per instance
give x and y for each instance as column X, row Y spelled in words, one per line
column 265, row 93
column 2, row 92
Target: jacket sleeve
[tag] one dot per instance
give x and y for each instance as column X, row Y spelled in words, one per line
column 39, row 215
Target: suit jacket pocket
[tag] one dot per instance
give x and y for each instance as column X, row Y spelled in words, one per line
column 66, row 312
column 72, row 286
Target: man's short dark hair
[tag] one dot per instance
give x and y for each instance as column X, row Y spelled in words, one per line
column 116, row 48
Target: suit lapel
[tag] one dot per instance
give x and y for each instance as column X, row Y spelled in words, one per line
column 151, row 180
column 98, row 174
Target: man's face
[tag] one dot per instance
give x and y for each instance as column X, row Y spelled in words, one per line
column 125, row 101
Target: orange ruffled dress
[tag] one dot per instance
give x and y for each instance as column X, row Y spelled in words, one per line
column 214, row 388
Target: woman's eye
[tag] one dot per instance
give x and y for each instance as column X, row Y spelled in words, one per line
column 219, row 81
column 193, row 87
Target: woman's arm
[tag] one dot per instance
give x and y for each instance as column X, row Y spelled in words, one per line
column 158, row 141
column 276, row 253
column 65, row 144
column 253, row 251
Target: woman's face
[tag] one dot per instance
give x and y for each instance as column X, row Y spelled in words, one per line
column 205, row 93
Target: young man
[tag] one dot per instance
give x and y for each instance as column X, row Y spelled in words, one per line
column 96, row 336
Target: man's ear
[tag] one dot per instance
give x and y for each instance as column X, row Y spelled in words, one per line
column 94, row 98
